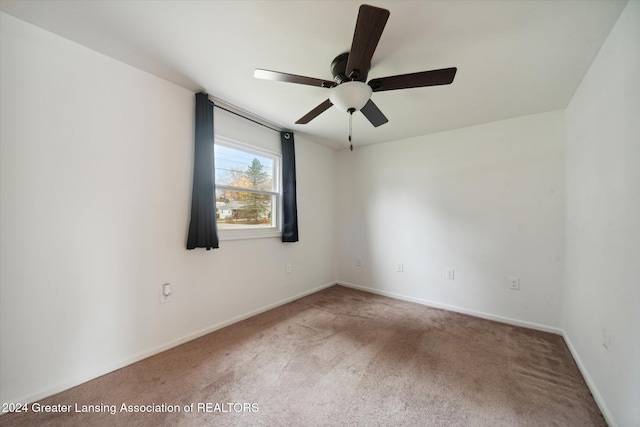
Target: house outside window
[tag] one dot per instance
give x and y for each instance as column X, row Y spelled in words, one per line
column 247, row 191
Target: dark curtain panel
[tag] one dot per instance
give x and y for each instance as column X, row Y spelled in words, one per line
column 202, row 228
column 289, row 203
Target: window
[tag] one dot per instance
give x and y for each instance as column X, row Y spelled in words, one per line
column 247, row 190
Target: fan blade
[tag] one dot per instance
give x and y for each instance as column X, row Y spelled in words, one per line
column 369, row 27
column 292, row 78
column 314, row 113
column 405, row 81
column 373, row 114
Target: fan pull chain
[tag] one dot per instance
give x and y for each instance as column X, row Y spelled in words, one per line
column 350, row 111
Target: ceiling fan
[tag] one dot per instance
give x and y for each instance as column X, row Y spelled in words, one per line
column 349, row 92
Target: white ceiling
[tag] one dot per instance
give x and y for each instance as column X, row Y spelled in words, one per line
column 513, row 57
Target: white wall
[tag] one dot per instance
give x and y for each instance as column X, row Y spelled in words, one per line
column 95, row 175
column 603, row 222
column 96, row 169
column 486, row 200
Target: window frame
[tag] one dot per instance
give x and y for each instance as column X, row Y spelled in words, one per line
column 276, row 194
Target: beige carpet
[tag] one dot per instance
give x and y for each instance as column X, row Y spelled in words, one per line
column 344, row 357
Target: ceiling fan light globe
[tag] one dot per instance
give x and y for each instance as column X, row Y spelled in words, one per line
column 350, row 95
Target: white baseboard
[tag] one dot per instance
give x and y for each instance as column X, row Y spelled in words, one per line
column 483, row 315
column 608, row 416
column 88, row 376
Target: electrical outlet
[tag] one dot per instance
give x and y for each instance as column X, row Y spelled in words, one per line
column 400, row 267
column 514, row 283
column 289, row 269
column 449, row 274
column 606, row 337
column 165, row 293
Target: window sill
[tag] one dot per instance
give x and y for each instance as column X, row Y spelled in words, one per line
column 248, row 234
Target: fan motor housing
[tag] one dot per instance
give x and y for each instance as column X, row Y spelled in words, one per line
column 339, row 67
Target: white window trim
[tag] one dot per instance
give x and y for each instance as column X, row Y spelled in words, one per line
column 257, row 232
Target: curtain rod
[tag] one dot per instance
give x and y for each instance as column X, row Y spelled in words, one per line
column 244, row 114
